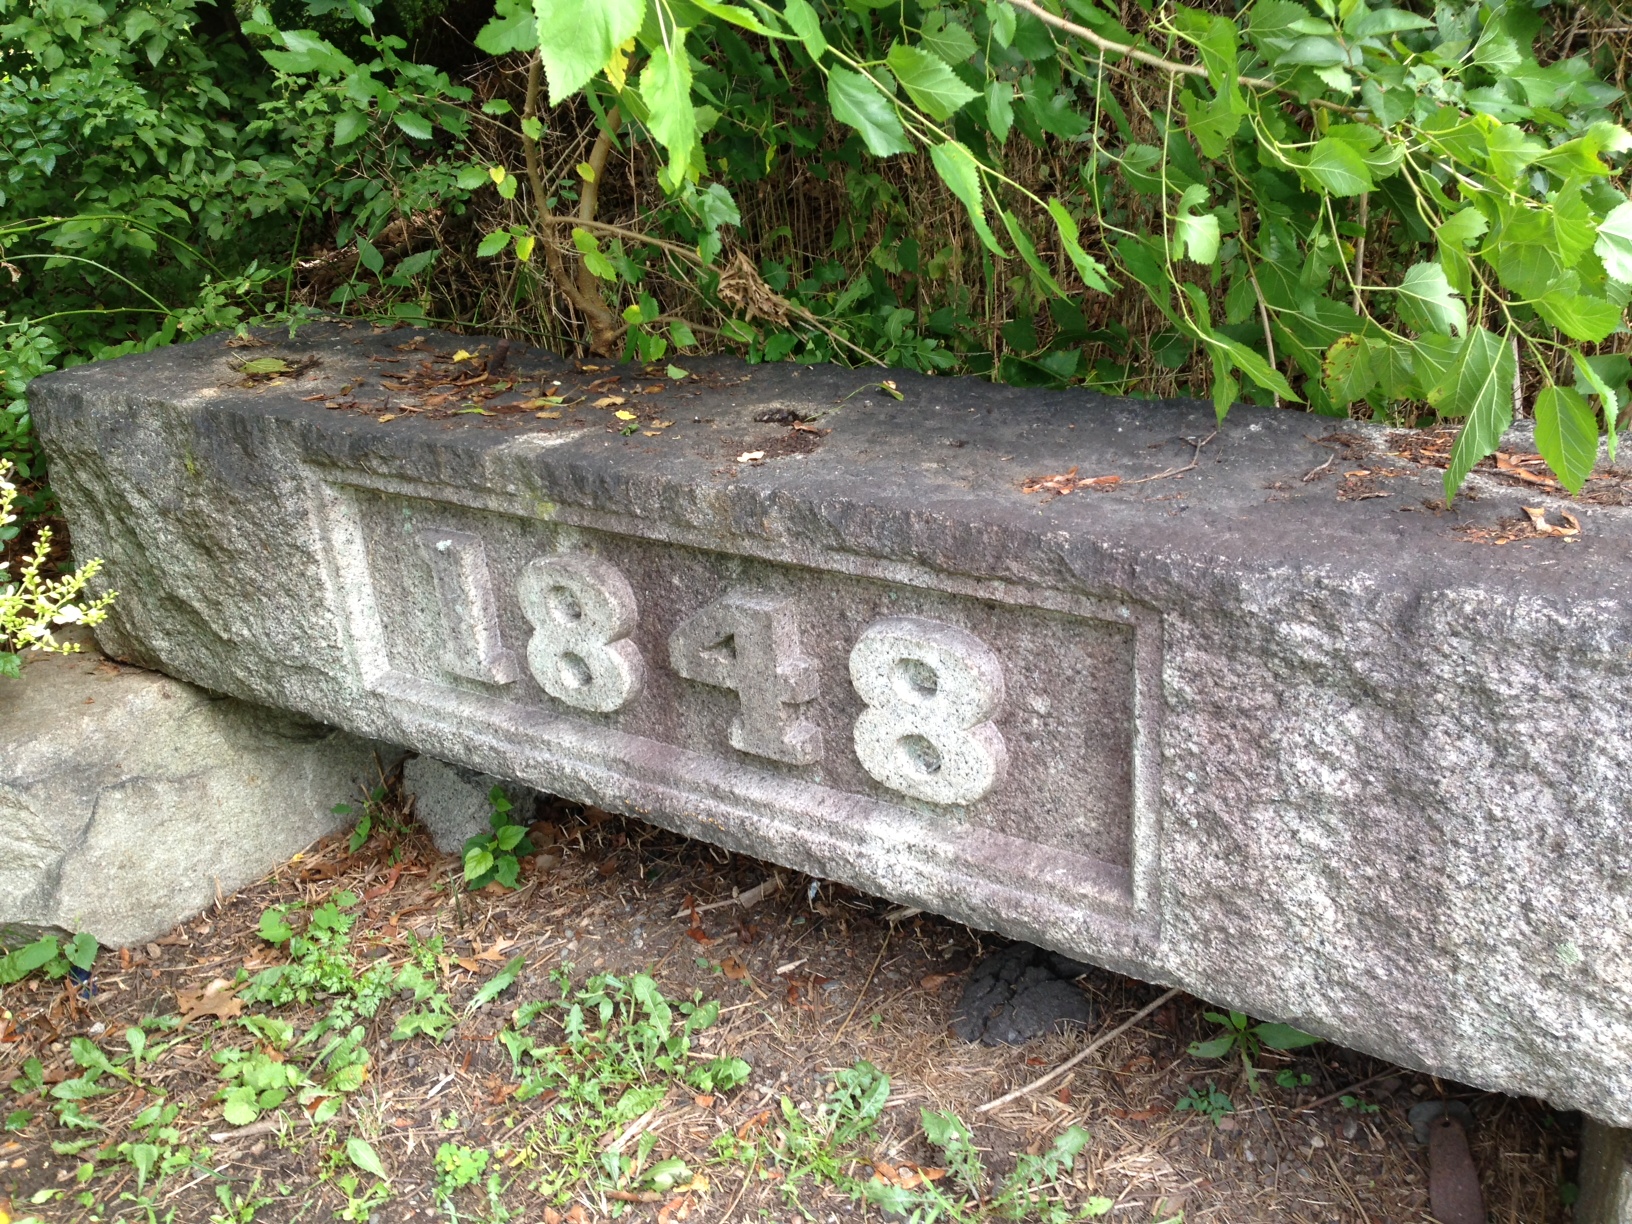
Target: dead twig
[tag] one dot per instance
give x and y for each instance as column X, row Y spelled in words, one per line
column 1096, row 1044
column 1195, row 462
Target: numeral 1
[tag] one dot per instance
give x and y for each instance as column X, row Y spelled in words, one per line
column 472, row 644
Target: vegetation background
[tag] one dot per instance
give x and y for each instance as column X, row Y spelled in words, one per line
column 1409, row 212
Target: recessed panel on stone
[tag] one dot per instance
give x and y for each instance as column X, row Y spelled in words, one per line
column 975, row 707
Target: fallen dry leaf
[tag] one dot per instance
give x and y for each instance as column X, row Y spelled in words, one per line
column 750, row 456
column 548, row 416
column 652, row 390
column 1062, row 483
column 1538, row 520
column 218, row 999
column 611, row 401
column 733, row 969
column 703, row 1101
column 934, row 981
column 753, row 1124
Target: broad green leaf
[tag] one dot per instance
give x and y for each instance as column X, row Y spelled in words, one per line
column 950, row 41
column 1001, row 17
column 1338, row 166
column 1394, row 366
column 1347, row 370
column 1197, row 235
column 1374, row 23
column 1226, row 387
column 1284, row 1037
column 1511, row 150
column 1614, row 245
column 493, row 244
column 513, row 28
column 1478, row 386
column 413, row 124
column 856, row 101
column 598, row 265
column 805, row 23
column 369, row 256
column 1567, row 434
column 1028, row 252
column 929, row 81
column 665, row 84
column 1601, row 376
column 350, row 125
column 1000, row 109
column 1428, row 303
column 498, row 983
column 736, row 15
column 1580, row 316
column 577, row 38
column 1088, row 268
column 1523, row 250
column 364, row 1157
column 1213, row 123
column 1216, row 1048
column 1462, row 228
column 961, row 173
column 1259, row 370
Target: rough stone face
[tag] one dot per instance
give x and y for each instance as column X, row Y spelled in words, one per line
column 129, row 801
column 1283, row 731
column 454, row 803
column 1606, row 1175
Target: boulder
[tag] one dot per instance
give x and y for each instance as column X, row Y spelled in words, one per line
column 130, row 801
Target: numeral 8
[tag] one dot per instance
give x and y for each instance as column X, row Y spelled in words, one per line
column 930, row 690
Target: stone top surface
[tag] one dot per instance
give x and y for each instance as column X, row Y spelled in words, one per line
column 1275, row 487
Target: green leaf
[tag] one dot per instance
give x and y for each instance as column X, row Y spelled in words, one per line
column 735, row 15
column 1463, row 228
column 857, row 102
column 951, row 42
column 1216, row 1048
column 81, row 950
column 364, row 1157
column 1479, row 386
column 1198, row 235
column 1347, row 370
column 532, row 128
column 1028, row 252
column 1580, row 316
column 1088, row 268
column 1284, row 1037
column 577, row 38
column 493, row 244
column 1256, row 368
column 350, row 125
column 929, row 81
column 1614, row 244
column 1428, row 303
column 961, row 173
column 478, row 862
column 499, row 982
column 369, row 256
column 1599, row 376
column 1338, row 166
column 513, row 28
column 413, row 124
column 665, row 84
column 11, row 665
column 1002, row 20
column 805, row 23
column 1000, row 109
column 1567, row 434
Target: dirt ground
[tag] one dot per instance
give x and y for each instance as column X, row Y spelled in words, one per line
column 810, row 980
